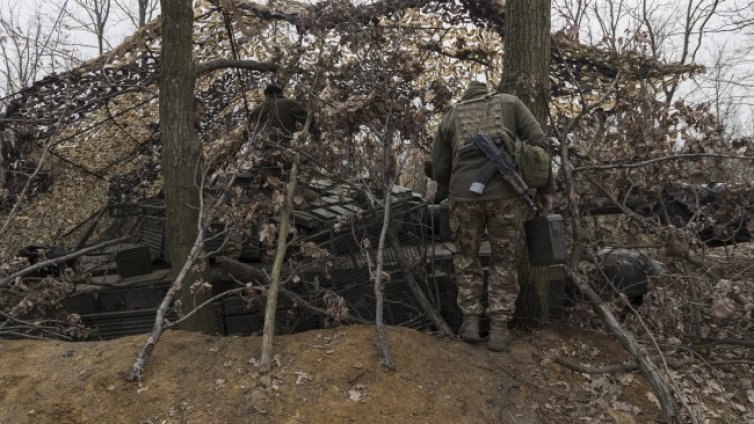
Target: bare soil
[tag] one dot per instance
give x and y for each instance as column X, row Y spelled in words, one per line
column 323, row 376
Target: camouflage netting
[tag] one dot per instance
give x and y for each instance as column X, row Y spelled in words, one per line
column 101, row 119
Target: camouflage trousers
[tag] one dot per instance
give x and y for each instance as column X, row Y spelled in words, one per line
column 503, row 220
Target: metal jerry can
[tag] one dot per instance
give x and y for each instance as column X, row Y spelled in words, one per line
column 545, row 237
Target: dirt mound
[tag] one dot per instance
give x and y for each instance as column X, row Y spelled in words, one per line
column 320, row 376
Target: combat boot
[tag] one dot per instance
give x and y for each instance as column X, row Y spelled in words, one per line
column 499, row 337
column 469, row 330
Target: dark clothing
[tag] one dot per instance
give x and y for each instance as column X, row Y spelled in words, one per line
column 282, row 117
column 483, row 112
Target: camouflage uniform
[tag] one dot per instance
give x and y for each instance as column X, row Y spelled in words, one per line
column 498, row 209
column 502, row 218
column 7, row 143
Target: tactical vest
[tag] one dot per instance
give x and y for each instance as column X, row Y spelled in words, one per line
column 482, row 113
column 485, row 113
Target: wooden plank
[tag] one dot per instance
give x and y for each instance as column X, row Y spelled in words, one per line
column 340, row 210
column 324, row 214
column 317, row 202
column 305, row 219
column 353, row 208
column 341, row 196
column 401, row 191
column 330, row 200
column 320, row 184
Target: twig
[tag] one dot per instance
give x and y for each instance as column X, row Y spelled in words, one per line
column 633, row 366
column 203, row 304
column 633, row 164
column 239, row 270
column 68, row 257
column 731, row 342
column 22, row 335
column 159, row 324
column 379, row 281
column 311, row 308
column 427, row 307
column 34, row 326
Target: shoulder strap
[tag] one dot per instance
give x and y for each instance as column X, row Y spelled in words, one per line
column 516, row 151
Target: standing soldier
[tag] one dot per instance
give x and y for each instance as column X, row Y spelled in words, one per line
column 498, row 209
column 281, row 115
column 7, row 145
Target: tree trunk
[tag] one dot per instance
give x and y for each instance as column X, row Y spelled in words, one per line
column 143, row 12
column 181, row 153
column 526, row 66
column 526, row 74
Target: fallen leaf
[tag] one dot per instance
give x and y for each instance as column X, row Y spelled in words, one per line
column 357, row 392
column 302, row 377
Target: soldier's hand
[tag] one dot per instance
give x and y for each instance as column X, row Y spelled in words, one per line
column 544, row 201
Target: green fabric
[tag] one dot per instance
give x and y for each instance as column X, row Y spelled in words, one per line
column 458, row 173
column 533, row 162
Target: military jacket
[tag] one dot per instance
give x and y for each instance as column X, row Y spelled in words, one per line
column 502, row 116
column 282, row 116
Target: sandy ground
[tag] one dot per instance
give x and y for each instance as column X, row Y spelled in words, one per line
column 324, row 376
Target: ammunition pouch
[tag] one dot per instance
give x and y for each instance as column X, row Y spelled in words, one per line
column 533, row 163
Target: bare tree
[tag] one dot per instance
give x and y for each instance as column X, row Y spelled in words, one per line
column 572, row 14
column 138, row 12
column 692, row 26
column 609, row 15
column 92, row 16
column 721, row 89
column 740, row 16
column 30, row 46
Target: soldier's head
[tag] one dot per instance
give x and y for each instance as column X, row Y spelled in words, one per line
column 273, row 91
column 198, row 112
column 475, row 88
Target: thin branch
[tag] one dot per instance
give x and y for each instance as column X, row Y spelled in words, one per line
column 60, row 259
column 408, row 276
column 630, row 165
column 268, row 333
column 241, row 271
column 633, row 366
column 202, row 305
column 731, row 342
column 645, row 364
column 159, row 324
column 211, row 65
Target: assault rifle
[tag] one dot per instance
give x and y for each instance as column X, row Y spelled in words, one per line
column 498, row 161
